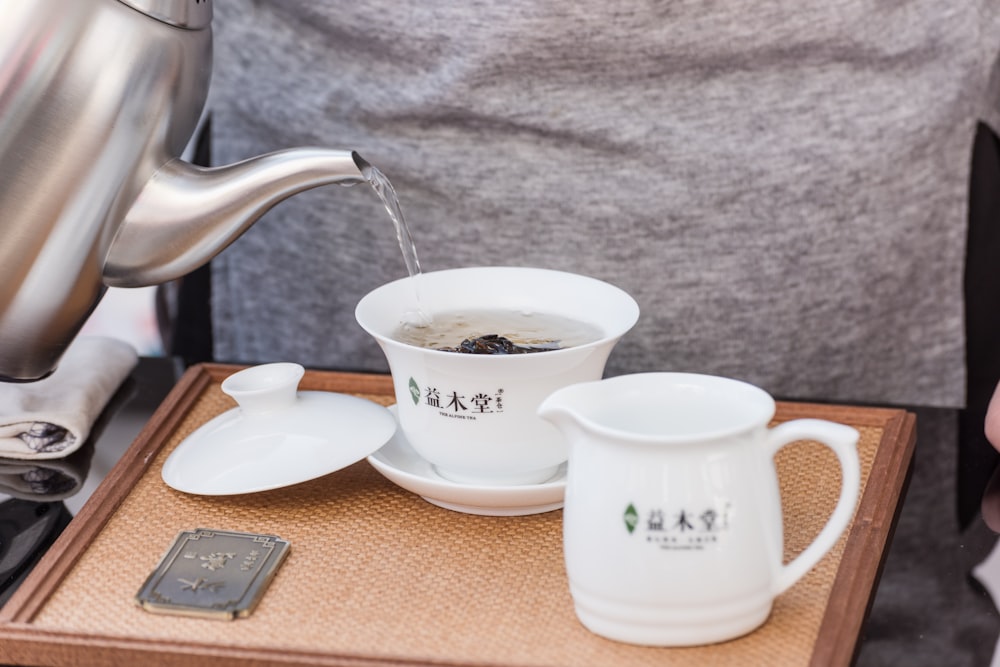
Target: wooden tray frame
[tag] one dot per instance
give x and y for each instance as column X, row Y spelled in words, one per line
column 21, row 643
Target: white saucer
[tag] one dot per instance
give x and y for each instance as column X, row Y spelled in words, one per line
column 397, row 461
column 244, row 452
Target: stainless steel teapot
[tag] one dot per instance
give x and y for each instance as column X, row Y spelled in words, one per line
column 98, row 99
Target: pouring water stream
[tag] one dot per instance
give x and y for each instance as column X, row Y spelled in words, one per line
column 387, row 194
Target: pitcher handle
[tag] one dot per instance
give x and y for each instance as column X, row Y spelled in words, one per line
column 843, row 440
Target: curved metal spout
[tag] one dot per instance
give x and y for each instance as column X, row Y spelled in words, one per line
column 185, row 214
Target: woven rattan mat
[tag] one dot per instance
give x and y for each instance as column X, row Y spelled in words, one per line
column 379, row 574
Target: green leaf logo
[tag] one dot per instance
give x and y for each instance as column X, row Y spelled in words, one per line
column 631, row 518
column 414, row 391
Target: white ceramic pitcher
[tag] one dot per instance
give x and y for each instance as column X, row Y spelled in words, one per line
column 672, row 523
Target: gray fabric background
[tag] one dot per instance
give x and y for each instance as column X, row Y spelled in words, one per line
column 781, row 185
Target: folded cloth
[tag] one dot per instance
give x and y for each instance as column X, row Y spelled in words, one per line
column 51, row 418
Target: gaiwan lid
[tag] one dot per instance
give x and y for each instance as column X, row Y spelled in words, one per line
column 277, row 436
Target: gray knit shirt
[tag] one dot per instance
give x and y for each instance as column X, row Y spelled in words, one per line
column 781, row 184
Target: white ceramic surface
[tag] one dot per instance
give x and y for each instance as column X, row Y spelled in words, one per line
column 399, row 463
column 277, row 437
column 672, row 528
column 474, row 416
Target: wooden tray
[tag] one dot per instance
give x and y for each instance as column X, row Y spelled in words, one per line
column 378, row 576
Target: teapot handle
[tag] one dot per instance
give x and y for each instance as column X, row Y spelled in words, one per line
column 843, row 440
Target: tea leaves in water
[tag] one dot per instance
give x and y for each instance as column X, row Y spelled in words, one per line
column 497, row 332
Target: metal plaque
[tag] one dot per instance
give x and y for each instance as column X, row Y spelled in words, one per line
column 213, row 573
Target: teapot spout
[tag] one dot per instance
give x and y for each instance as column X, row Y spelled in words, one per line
column 185, row 215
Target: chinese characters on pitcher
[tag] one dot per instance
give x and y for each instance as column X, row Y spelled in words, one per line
column 683, row 527
column 455, row 404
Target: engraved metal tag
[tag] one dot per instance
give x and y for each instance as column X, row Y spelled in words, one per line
column 213, row 573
